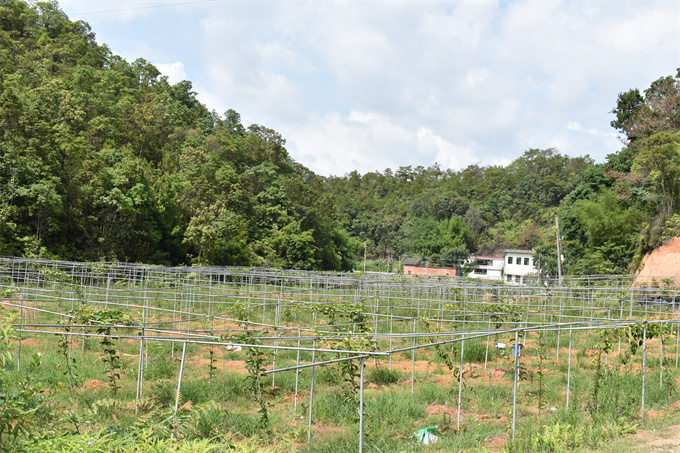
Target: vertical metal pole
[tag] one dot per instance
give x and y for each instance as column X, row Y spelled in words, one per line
column 191, row 296
column 514, row 387
column 211, row 311
column 179, row 380
column 559, row 258
column 661, row 364
column 677, row 342
column 486, row 354
column 140, row 373
column 297, row 371
column 418, row 304
column 361, row 406
column 440, row 312
column 630, row 315
column 70, row 339
column 276, row 344
column 391, row 329
column 569, row 368
column 559, row 321
column 375, row 313
column 413, row 357
column 264, row 300
column 460, row 380
column 108, row 286
column 644, row 364
column 80, row 306
column 174, row 326
column 311, row 396
column 21, row 319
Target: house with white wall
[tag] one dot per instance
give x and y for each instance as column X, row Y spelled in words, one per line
column 518, row 265
column 486, row 267
column 515, row 267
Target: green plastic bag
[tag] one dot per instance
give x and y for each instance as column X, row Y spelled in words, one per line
column 426, row 435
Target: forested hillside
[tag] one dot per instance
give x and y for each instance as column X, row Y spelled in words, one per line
column 447, row 214
column 104, row 159
column 611, row 213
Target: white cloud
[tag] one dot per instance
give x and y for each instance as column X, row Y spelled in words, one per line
column 174, row 71
column 274, row 53
column 371, row 85
column 369, row 141
column 336, row 144
column 448, row 154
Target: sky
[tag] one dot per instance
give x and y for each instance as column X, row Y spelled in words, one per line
column 370, row 85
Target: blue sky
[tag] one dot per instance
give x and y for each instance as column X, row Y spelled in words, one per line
column 370, row 85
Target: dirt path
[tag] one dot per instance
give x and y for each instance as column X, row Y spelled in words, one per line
column 664, row 440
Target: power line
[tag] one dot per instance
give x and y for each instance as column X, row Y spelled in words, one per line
column 120, row 10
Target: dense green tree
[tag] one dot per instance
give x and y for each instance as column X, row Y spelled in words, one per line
column 627, row 105
column 102, row 158
column 658, row 163
column 658, row 112
column 609, row 228
column 454, row 256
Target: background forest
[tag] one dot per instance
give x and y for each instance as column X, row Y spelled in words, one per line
column 103, row 159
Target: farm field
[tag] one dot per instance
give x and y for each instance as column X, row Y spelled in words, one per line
column 113, row 357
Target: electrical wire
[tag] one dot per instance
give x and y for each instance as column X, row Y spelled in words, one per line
column 137, row 8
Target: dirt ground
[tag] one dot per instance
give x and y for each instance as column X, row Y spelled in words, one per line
column 650, row 441
column 669, row 440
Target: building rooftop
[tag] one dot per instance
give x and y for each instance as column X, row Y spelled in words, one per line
column 520, row 251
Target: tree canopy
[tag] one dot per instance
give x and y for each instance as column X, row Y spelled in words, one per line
column 101, row 158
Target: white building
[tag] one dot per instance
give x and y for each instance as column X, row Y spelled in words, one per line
column 487, row 267
column 519, row 264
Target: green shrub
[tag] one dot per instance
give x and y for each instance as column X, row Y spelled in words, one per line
column 164, row 392
column 209, row 420
column 140, row 441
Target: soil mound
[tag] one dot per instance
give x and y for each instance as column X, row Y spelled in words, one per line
column 664, row 262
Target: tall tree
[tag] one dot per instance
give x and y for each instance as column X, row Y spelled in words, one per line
column 658, row 162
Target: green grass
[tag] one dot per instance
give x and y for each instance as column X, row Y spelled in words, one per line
column 476, row 351
column 382, row 375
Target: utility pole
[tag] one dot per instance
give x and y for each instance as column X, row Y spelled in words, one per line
column 559, row 251
column 365, row 246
